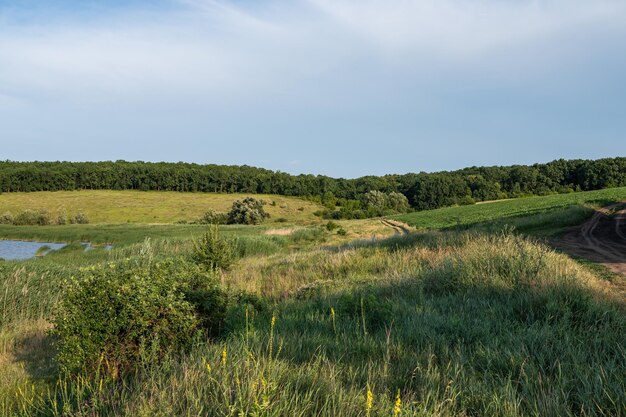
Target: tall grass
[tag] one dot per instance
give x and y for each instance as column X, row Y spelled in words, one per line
column 453, row 323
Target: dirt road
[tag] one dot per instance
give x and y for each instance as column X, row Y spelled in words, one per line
column 399, row 227
column 601, row 239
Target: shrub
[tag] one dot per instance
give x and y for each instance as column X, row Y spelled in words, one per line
column 398, row 202
column 247, row 211
column 33, row 218
column 7, row 218
column 212, row 251
column 213, row 217
column 115, row 316
column 375, row 201
column 62, row 217
column 330, row 226
column 80, row 218
column 342, row 232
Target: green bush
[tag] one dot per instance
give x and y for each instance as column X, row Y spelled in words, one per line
column 330, row 226
column 80, row 218
column 7, row 218
column 116, row 316
column 247, row 211
column 62, row 217
column 213, row 217
column 212, row 251
column 33, row 218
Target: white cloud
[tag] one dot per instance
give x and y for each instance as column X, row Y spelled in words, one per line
column 220, row 51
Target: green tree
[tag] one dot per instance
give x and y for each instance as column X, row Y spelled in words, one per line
column 247, row 211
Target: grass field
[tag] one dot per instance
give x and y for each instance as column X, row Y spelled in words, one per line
column 117, row 207
column 465, row 216
column 476, row 322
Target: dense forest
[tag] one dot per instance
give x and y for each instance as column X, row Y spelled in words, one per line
column 423, row 190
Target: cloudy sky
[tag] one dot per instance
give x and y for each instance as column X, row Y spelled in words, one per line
column 337, row 87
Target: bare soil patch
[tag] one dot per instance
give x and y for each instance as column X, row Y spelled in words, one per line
column 279, row 232
column 601, row 239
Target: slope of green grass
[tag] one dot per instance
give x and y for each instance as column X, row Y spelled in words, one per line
column 452, row 323
column 465, row 216
column 115, row 207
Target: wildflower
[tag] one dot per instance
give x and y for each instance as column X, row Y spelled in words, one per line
column 332, row 313
column 397, row 407
column 369, row 401
column 208, row 367
column 224, row 357
column 273, row 320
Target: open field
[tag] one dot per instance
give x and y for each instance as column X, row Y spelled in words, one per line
column 117, row 207
column 501, row 211
column 453, row 323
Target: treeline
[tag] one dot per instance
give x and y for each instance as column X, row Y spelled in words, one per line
column 423, row 190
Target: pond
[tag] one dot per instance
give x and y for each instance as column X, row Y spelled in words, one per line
column 12, row 250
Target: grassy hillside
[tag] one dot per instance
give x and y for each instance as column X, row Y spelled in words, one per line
column 464, row 216
column 450, row 323
column 438, row 323
column 115, row 207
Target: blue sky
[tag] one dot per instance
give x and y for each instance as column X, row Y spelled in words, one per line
column 337, row 87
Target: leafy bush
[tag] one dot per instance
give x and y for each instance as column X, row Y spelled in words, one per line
column 330, row 226
column 342, row 232
column 398, row 202
column 247, row 211
column 80, row 218
column 62, row 217
column 7, row 218
column 213, row 217
column 212, row 251
column 115, row 316
column 33, row 218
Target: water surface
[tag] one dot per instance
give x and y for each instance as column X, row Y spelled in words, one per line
column 16, row 249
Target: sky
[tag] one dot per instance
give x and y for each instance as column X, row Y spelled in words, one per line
column 336, row 87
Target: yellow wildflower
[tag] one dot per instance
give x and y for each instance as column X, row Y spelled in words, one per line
column 397, row 406
column 369, row 401
column 224, row 357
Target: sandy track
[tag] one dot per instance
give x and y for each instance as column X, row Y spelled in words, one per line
column 399, row 227
column 601, row 239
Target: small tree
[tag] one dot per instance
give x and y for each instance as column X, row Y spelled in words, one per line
column 213, row 251
column 397, row 202
column 247, row 211
column 375, row 201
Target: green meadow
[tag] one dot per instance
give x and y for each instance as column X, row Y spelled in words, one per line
column 507, row 210
column 464, row 317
